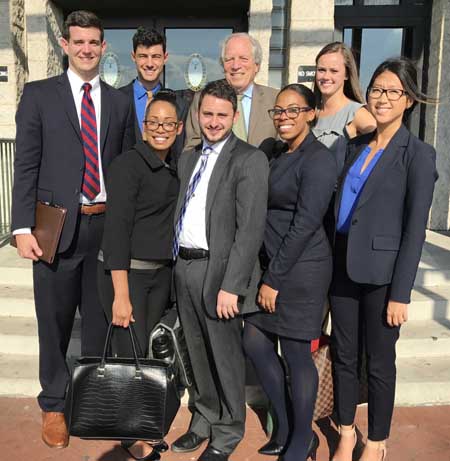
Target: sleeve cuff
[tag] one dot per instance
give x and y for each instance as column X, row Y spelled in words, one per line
column 22, row 230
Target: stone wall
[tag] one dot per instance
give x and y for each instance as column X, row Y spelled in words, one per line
column 437, row 132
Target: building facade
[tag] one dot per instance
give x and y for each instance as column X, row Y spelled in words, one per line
column 291, row 33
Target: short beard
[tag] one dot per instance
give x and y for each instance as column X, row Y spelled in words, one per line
column 225, row 136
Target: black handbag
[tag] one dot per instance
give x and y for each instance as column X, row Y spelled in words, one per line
column 167, row 341
column 122, row 398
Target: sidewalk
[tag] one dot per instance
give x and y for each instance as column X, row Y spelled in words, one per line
column 418, row 434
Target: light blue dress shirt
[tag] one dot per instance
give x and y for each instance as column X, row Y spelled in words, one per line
column 140, row 99
column 247, row 105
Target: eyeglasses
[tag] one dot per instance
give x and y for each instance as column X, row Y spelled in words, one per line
column 291, row 112
column 391, row 93
column 153, row 125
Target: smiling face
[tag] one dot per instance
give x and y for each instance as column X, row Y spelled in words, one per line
column 160, row 139
column 84, row 49
column 239, row 63
column 150, row 63
column 385, row 111
column 216, row 118
column 331, row 74
column 293, row 130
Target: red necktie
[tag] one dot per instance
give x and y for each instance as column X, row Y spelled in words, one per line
column 91, row 178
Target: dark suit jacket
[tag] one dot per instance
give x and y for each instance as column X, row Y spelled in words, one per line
column 260, row 125
column 235, row 218
column 142, row 195
column 388, row 224
column 183, row 108
column 301, row 185
column 49, row 160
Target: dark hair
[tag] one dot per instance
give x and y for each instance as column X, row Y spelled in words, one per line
column 82, row 18
column 148, row 37
column 406, row 71
column 166, row 95
column 220, row 89
column 305, row 93
column 351, row 86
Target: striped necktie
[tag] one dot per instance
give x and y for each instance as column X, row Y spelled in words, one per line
column 189, row 194
column 91, row 178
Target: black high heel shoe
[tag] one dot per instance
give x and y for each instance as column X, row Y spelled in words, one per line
column 272, row 447
column 312, row 449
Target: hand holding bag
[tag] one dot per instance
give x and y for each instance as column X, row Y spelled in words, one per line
column 122, row 398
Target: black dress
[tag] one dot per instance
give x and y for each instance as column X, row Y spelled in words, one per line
column 296, row 253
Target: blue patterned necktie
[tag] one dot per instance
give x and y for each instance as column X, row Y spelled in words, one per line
column 189, row 194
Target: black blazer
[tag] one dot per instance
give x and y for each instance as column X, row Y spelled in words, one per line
column 388, row 224
column 49, row 160
column 183, row 108
column 301, row 185
column 142, row 195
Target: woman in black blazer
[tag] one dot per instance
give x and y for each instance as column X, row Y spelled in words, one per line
column 135, row 271
column 382, row 204
column 297, row 262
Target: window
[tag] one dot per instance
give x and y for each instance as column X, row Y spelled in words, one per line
column 277, row 57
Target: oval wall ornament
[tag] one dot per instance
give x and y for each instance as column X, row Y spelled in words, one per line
column 195, row 74
column 110, row 69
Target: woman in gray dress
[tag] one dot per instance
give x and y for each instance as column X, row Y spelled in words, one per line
column 340, row 110
column 297, row 264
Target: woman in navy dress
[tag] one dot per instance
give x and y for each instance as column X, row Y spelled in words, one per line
column 297, row 262
column 382, row 204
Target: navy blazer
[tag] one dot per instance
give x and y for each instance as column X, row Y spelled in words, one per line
column 49, row 161
column 388, row 225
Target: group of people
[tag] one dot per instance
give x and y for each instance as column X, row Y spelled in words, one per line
column 255, row 208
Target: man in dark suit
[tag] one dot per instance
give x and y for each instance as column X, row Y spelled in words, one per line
column 149, row 55
column 241, row 57
column 220, row 219
column 69, row 129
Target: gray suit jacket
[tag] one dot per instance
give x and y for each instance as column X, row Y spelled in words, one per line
column 260, row 124
column 235, row 214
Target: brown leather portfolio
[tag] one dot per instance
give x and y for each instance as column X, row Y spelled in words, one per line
column 47, row 229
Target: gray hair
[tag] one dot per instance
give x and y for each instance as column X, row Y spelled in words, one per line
column 256, row 47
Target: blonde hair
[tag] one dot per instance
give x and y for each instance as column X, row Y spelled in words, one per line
column 352, row 88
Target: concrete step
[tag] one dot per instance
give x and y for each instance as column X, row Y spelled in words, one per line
column 18, row 336
column 430, row 303
column 424, row 338
column 19, row 376
column 423, row 381
column 16, row 301
column 16, row 276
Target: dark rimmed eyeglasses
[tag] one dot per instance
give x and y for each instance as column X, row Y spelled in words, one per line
column 393, row 94
column 291, row 112
column 153, row 125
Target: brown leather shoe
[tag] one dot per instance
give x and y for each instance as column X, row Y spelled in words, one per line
column 54, row 430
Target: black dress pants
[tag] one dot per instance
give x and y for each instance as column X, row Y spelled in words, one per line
column 149, row 296
column 358, row 311
column 59, row 288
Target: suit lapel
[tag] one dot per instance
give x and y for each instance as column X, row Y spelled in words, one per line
column 395, row 146
column 65, row 92
column 257, row 103
column 219, row 169
column 104, row 116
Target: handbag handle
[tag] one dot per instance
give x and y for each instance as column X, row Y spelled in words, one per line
column 101, row 367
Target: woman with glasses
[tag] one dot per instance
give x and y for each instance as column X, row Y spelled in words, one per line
column 135, row 271
column 297, row 263
column 382, row 204
column 341, row 114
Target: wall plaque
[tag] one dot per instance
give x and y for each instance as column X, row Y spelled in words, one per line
column 110, row 69
column 195, row 74
column 3, row 73
column 306, row 74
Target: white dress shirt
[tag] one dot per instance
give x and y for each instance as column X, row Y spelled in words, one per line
column 76, row 85
column 193, row 232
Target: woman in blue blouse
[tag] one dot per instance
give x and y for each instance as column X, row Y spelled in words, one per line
column 382, row 204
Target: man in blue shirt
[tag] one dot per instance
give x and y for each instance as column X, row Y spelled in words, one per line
column 149, row 55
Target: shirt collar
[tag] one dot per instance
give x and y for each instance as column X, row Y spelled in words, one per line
column 140, row 91
column 217, row 147
column 77, row 82
column 248, row 93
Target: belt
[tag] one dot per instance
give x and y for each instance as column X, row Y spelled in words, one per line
column 96, row 208
column 193, row 253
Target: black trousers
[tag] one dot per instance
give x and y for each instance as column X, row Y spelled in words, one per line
column 59, row 288
column 217, row 357
column 149, row 296
column 358, row 312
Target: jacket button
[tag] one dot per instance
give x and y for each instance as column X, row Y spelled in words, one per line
column 76, row 191
column 354, row 221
